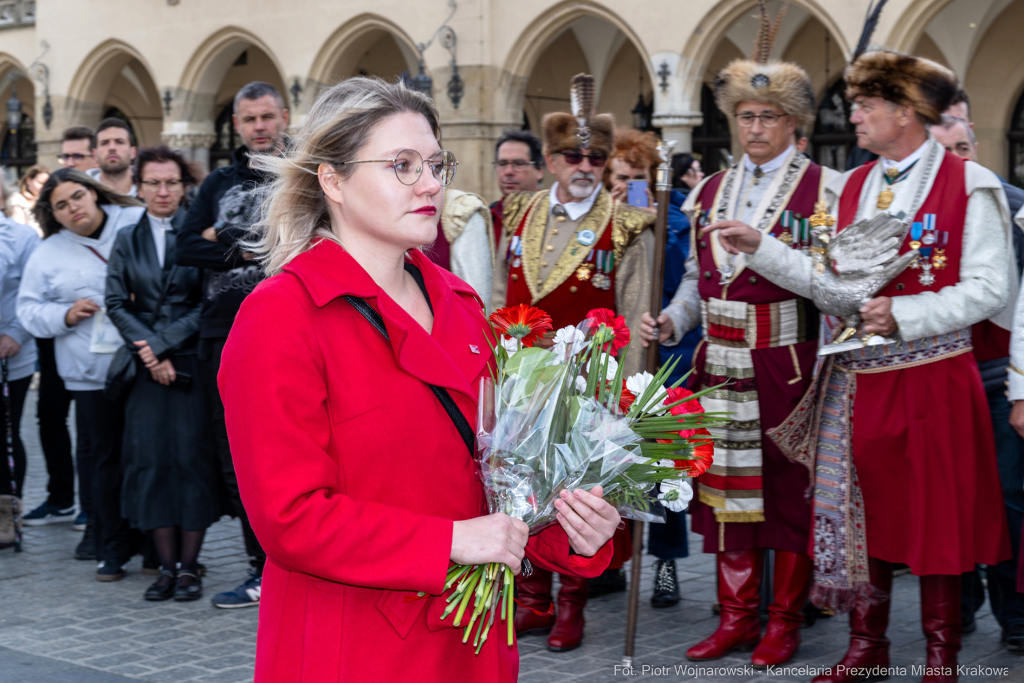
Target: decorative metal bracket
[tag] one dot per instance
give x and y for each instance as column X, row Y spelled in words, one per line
column 449, row 40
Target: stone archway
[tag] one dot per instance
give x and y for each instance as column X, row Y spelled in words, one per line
column 218, row 69
column 594, row 39
column 809, row 36
column 17, row 151
column 367, row 45
column 115, row 75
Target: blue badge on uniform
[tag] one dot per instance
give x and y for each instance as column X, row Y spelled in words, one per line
column 586, row 237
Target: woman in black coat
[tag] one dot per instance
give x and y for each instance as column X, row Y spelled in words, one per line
column 170, row 462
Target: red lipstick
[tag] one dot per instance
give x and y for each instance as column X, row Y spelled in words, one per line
column 427, row 210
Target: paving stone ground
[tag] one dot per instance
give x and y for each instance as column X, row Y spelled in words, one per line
column 59, row 625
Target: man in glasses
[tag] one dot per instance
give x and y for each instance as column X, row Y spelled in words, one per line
column 519, row 161
column 568, row 251
column 76, row 146
column 762, row 340
column 221, row 214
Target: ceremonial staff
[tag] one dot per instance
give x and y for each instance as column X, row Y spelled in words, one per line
column 663, row 187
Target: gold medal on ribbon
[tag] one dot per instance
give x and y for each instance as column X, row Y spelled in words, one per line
column 885, row 198
column 583, row 272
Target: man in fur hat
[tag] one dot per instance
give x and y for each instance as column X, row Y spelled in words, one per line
column 898, row 433
column 568, row 251
column 762, row 340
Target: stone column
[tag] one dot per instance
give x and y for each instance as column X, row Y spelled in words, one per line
column 194, row 144
column 674, row 112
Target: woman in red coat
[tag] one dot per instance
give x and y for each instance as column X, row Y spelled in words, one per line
column 356, row 480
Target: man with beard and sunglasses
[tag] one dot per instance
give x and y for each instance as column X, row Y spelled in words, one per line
column 568, row 251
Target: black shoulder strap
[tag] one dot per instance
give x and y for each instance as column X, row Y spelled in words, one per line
column 447, row 402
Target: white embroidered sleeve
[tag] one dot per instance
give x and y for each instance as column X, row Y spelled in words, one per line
column 471, row 257
column 1016, row 391
column 983, row 290
column 783, row 265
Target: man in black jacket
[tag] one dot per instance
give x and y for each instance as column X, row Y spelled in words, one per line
column 992, row 351
column 222, row 213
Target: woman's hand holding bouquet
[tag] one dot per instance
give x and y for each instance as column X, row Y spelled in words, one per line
column 563, row 437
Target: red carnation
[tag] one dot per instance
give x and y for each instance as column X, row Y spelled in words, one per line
column 626, row 399
column 525, row 323
column 691, row 407
column 703, row 451
column 616, row 323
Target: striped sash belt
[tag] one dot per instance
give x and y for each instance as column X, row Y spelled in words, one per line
column 733, row 483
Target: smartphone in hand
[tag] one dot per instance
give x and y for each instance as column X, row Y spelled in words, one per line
column 636, row 193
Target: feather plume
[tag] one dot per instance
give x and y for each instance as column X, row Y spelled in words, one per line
column 870, row 22
column 764, row 28
column 767, row 31
column 581, row 99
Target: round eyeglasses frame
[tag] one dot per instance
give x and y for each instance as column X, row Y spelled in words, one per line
column 442, row 166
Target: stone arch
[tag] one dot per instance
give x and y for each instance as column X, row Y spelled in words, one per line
column 211, row 61
column 341, row 54
column 115, row 74
column 536, row 39
column 911, row 25
column 700, row 49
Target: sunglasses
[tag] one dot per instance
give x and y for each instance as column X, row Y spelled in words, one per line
column 597, row 159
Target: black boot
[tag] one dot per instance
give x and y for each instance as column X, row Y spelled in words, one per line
column 666, row 586
column 86, row 549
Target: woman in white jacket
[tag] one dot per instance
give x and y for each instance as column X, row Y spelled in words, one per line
column 62, row 296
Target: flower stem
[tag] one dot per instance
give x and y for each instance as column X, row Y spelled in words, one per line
column 473, row 579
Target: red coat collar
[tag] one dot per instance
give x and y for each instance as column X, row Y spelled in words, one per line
column 443, row 358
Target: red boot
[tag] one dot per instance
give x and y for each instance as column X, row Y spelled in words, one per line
column 739, row 628
column 567, row 633
column 536, row 612
column 785, row 615
column 869, row 620
column 940, row 621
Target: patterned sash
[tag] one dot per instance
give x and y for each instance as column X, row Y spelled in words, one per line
column 818, row 434
column 732, row 485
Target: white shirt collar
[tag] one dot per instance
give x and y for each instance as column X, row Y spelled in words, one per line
column 904, row 164
column 161, row 223
column 575, row 210
column 773, row 165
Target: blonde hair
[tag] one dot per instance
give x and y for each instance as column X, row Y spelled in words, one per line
column 294, row 208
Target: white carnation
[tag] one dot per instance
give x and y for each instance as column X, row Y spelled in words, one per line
column 676, row 494
column 566, row 336
column 581, row 384
column 613, row 368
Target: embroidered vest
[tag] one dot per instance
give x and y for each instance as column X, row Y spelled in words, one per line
column 946, row 204
column 590, row 286
column 749, row 286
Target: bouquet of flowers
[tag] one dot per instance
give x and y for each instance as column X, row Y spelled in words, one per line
column 564, row 418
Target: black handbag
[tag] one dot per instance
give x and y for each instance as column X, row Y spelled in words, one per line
column 124, row 365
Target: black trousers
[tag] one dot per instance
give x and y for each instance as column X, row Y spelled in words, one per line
column 1007, row 603
column 103, row 421
column 210, row 351
column 18, row 391
column 52, row 412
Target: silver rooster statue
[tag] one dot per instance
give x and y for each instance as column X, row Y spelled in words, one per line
column 851, row 267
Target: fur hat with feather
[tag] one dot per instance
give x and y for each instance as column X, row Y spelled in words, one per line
column 783, row 84
column 583, row 128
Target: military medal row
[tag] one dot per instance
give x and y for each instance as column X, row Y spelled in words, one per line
column 931, row 245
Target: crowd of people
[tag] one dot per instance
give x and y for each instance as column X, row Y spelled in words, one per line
column 128, row 287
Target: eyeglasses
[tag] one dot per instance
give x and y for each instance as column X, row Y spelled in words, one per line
column 597, row 159
column 516, row 164
column 767, row 120
column 408, row 165
column 173, row 184
column 73, row 200
column 72, row 158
